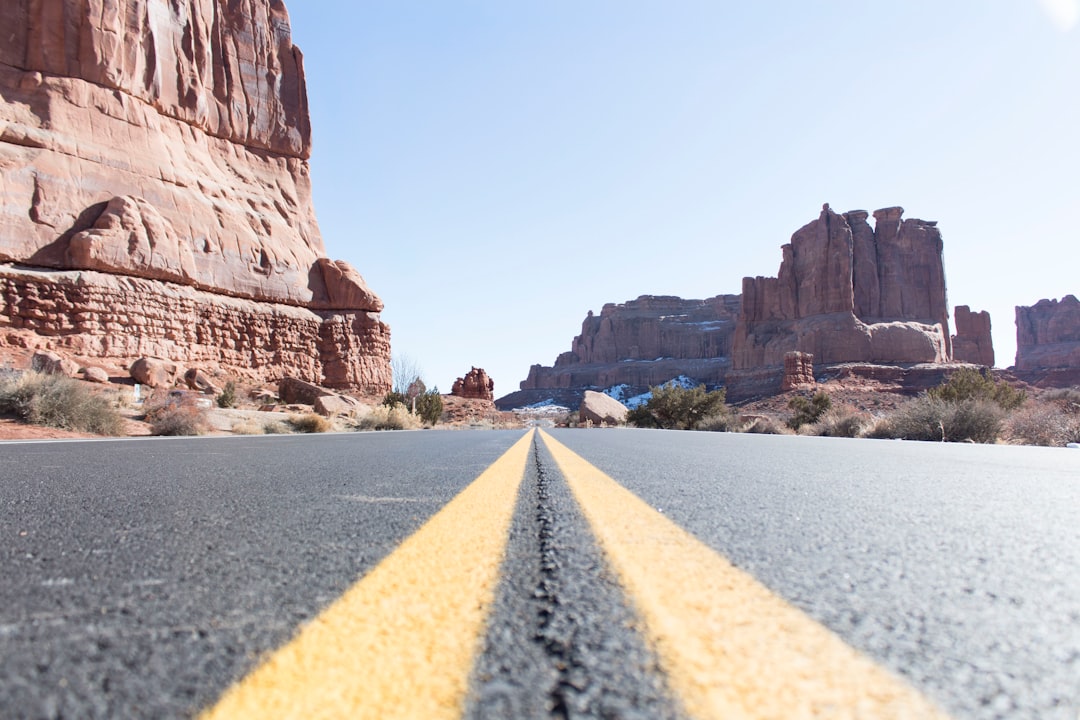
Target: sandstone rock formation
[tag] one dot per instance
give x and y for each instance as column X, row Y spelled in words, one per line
column 475, row 385
column 847, row 292
column 170, row 142
column 646, row 342
column 600, row 409
column 798, row 371
column 972, row 342
column 1048, row 335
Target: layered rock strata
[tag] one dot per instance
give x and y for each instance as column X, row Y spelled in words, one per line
column 170, row 142
column 1048, row 336
column 96, row 315
column 972, row 342
column 847, row 292
column 798, row 371
column 646, row 342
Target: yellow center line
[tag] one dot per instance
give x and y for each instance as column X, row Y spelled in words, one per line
column 730, row 647
column 400, row 642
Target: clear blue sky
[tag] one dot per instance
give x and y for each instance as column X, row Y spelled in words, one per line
column 496, row 169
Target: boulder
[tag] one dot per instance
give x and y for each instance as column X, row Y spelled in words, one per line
column 331, row 405
column 198, row 380
column 51, row 363
column 295, row 391
column 95, row 375
column 601, row 409
column 475, row 385
column 153, row 372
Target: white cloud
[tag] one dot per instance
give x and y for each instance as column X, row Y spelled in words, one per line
column 1064, row 13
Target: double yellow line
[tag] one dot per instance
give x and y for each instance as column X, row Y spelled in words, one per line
column 401, row 642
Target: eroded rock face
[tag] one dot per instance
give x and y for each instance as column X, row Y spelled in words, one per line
column 1048, row 335
column 600, row 409
column 169, row 141
column 646, row 342
column 798, row 371
column 97, row 315
column 972, row 342
column 475, row 385
column 847, row 292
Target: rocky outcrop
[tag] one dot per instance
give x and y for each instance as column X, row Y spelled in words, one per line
column 476, row 385
column 600, row 409
column 1048, row 335
column 97, row 315
column 170, row 142
column 646, row 342
column 972, row 342
column 798, row 371
column 847, row 292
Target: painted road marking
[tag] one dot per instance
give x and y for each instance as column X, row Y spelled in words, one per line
column 730, row 647
column 400, row 642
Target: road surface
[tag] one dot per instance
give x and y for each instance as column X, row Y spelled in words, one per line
column 602, row 574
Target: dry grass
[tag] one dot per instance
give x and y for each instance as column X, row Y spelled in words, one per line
column 1049, row 423
column 177, row 416
column 58, row 401
column 310, row 423
column 382, row 417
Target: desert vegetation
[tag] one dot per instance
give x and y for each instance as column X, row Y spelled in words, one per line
column 677, row 408
column 58, row 401
column 176, row 415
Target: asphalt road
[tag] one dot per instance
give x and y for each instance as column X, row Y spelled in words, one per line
column 142, row 578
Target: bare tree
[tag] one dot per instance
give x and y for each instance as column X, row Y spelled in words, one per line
column 405, row 371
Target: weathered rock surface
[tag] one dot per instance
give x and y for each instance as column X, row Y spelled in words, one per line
column 798, row 371
column 331, row 405
column 601, row 409
column 972, row 342
column 646, row 342
column 198, row 380
column 170, row 142
column 847, row 292
column 1048, row 335
column 475, row 385
column 95, row 374
column 154, row 372
column 50, row 363
column 97, row 315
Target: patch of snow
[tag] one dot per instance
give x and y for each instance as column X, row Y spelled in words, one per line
column 542, row 403
column 618, row 392
column 637, row 401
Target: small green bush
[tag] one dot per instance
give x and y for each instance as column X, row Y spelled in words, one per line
column 429, row 406
column 970, row 384
column 807, row 411
column 227, row 398
column 309, row 423
column 674, row 407
column 60, row 402
column 724, row 422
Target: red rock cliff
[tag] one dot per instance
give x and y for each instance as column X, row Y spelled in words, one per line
column 169, row 141
column 847, row 292
column 646, row 342
column 1048, row 335
column 972, row 342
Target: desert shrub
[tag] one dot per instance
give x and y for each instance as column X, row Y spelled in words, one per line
column 309, row 423
column 674, row 407
column 723, row 422
column 248, row 427
column 276, row 427
column 764, row 426
column 839, row 422
column 227, row 398
column 60, row 402
column 385, row 417
column 807, row 410
column 429, row 406
column 931, row 418
column 1043, row 423
column 177, row 416
column 395, row 398
column 970, row 384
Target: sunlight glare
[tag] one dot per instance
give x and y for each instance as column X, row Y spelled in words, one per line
column 1063, row 13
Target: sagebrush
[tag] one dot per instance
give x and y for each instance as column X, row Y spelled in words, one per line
column 58, row 401
column 677, row 408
